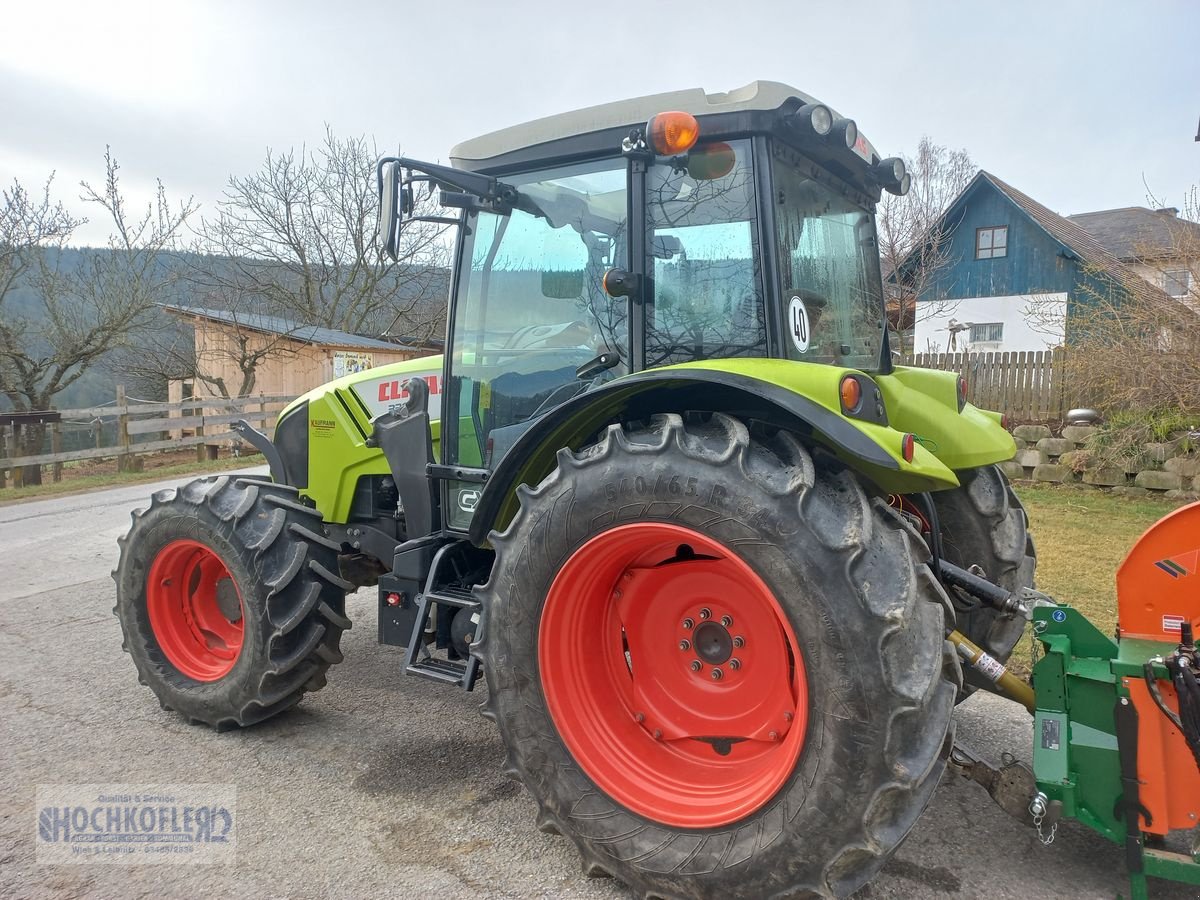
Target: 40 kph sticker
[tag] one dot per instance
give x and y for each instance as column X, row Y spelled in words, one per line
column 798, row 325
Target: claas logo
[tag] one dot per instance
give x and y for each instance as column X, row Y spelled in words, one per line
column 394, row 390
column 1180, row 566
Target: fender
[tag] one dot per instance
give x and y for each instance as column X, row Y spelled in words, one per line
column 801, row 397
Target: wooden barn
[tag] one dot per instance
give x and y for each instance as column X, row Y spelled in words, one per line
column 287, row 358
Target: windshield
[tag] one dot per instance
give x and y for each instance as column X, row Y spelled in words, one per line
column 829, row 267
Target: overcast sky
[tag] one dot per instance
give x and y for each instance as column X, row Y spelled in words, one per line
column 1073, row 103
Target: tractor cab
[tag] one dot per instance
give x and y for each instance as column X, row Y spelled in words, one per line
column 641, row 234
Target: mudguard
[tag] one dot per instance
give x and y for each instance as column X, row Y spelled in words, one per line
column 801, row 397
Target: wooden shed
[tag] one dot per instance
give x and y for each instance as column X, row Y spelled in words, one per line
column 294, row 358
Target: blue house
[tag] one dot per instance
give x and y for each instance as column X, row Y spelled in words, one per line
column 1000, row 272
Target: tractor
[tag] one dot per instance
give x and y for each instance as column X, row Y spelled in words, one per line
column 725, row 566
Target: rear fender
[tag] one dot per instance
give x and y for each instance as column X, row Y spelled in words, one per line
column 872, row 449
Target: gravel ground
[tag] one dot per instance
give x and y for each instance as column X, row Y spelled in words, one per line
column 378, row 784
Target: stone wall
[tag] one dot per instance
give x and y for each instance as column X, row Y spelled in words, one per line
column 1170, row 469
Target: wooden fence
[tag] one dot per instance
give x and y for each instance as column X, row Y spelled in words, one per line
column 203, row 423
column 1031, row 387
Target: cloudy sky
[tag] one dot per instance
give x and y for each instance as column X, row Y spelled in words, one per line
column 1081, row 105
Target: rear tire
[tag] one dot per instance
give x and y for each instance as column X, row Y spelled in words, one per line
column 849, row 579
column 229, row 601
column 984, row 524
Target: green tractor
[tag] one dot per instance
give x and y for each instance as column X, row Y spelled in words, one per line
column 667, row 490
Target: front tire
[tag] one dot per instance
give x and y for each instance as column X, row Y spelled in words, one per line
column 229, row 601
column 673, row 785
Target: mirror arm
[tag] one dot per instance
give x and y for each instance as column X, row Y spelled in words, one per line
column 439, row 220
column 482, row 186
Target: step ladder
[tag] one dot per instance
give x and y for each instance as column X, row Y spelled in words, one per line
column 417, row 659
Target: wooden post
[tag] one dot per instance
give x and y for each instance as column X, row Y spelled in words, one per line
column 56, row 447
column 201, row 448
column 124, row 459
column 14, row 441
column 3, row 456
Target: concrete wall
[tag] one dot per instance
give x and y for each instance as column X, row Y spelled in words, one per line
column 1170, row 468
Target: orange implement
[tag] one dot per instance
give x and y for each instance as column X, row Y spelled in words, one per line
column 1158, row 584
column 1158, row 589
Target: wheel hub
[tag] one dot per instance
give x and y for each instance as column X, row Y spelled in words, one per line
column 673, row 674
column 713, row 643
column 195, row 610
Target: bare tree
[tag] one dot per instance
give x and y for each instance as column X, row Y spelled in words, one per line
column 172, row 352
column 913, row 246
column 297, row 239
column 82, row 311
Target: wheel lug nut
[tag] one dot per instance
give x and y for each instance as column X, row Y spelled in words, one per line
column 726, row 621
column 705, row 613
column 735, row 664
column 641, row 717
column 696, row 665
column 717, row 674
column 787, row 717
column 658, row 734
column 739, row 641
column 774, row 735
column 685, row 644
column 688, row 624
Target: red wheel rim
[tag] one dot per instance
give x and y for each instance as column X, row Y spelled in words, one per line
column 634, row 625
column 190, row 597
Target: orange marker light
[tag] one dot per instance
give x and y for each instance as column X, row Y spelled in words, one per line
column 672, row 133
column 712, row 161
column 908, row 446
column 851, row 394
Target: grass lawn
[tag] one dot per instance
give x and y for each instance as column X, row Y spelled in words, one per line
column 1082, row 536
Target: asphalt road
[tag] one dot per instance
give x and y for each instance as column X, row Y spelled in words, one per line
column 379, row 784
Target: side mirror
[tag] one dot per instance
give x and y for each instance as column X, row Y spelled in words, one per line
column 389, row 178
column 567, row 285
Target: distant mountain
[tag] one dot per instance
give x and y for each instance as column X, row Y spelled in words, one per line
column 98, row 385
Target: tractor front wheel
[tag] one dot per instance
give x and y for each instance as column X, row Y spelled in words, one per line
column 229, row 600
column 719, row 668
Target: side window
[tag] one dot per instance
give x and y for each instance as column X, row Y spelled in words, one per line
column 708, row 300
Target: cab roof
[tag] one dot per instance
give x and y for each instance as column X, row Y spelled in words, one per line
column 756, row 96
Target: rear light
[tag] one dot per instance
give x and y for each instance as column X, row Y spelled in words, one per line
column 1004, row 421
column 962, row 393
column 908, row 446
column 851, row 392
column 394, row 599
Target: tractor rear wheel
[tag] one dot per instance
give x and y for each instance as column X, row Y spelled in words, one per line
column 984, row 524
column 719, row 668
column 229, row 600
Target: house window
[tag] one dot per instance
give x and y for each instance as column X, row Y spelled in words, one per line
column 991, row 243
column 989, row 332
column 1177, row 282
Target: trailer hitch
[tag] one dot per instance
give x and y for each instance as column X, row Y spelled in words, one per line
column 1011, row 784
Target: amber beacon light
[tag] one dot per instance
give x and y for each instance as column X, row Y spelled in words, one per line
column 672, row 133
